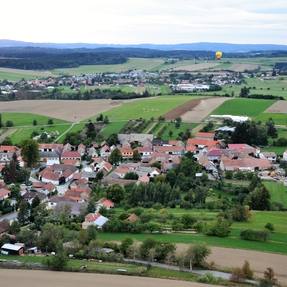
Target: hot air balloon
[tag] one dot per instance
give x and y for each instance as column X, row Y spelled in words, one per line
column 218, row 55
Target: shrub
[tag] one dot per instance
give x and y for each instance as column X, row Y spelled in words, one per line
column 221, row 228
column 237, row 275
column 57, row 262
column 246, row 270
column 269, row 226
column 254, row 235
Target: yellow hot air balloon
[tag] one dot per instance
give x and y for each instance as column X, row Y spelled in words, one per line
column 218, row 55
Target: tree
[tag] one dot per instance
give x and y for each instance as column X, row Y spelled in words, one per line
column 106, row 120
column 259, row 199
column 136, row 156
column 131, row 175
column 50, row 122
column 221, row 228
column 178, row 122
column 30, row 152
column 244, row 92
column 271, row 129
column 35, row 122
column 115, row 157
column 57, row 262
column 125, row 245
column 240, row 213
column 9, row 124
column 24, row 212
column 1, row 123
column 196, row 255
column 269, row 226
column 269, row 278
column 115, row 193
column 246, row 270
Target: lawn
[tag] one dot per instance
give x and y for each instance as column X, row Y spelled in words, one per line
column 279, row 119
column 276, row 244
column 25, row 133
column 112, row 128
column 243, row 107
column 146, row 108
column 131, row 64
column 277, row 191
column 26, row 119
column 175, row 131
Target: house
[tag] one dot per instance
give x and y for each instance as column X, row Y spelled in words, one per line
column 94, row 219
column 141, row 139
column 12, row 249
column 105, row 151
column 172, row 150
column 202, row 143
column 42, row 187
column 50, row 153
column 81, row 149
column 126, row 152
column 77, row 195
column 31, row 195
column 71, row 157
column 271, row 156
column 4, row 227
column 147, row 171
column 4, row 193
column 106, row 203
column 8, row 149
column 242, row 149
column 205, row 136
column 7, row 152
column 58, row 174
column 244, row 164
column 145, row 152
column 132, row 218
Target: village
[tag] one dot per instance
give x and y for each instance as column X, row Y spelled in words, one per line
column 65, row 173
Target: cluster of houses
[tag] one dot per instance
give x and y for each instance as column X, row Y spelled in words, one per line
column 66, row 171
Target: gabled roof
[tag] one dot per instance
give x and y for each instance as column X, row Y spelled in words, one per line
column 8, row 148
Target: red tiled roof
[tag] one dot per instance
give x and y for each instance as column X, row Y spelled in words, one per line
column 91, row 217
column 201, row 142
column 165, row 149
column 50, row 146
column 4, row 192
column 107, row 203
column 204, row 135
column 8, row 148
column 71, row 154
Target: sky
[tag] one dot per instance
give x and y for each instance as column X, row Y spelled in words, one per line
column 144, row 21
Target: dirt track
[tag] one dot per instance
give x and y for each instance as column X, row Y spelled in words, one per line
column 69, row 110
column 200, row 111
column 29, row 278
column 259, row 261
column 278, row 107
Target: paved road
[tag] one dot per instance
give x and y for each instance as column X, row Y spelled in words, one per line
column 9, row 216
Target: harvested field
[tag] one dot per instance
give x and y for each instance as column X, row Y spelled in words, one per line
column 72, row 111
column 182, row 109
column 243, row 67
column 195, row 67
column 32, row 278
column 202, row 109
column 259, row 261
column 278, row 107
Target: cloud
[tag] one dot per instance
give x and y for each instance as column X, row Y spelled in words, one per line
column 141, row 21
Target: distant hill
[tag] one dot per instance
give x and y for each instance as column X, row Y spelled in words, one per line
column 203, row 46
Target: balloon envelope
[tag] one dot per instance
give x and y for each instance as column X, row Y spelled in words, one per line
column 218, row 55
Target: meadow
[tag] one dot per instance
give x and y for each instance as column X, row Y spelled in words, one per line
column 132, row 64
column 243, row 107
column 276, row 244
column 17, row 74
column 278, row 192
column 146, row 108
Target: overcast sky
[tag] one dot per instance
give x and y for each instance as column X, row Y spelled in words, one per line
column 145, row 21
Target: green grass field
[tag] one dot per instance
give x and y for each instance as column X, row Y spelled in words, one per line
column 277, row 191
column 112, row 128
column 23, row 125
column 279, row 119
column 243, row 107
column 131, row 64
column 17, row 74
column 146, row 108
column 276, row 244
column 26, row 119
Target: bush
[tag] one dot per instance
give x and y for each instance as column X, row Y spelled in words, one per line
column 254, row 235
column 246, row 270
column 237, row 275
column 269, row 226
column 221, row 228
column 57, row 262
